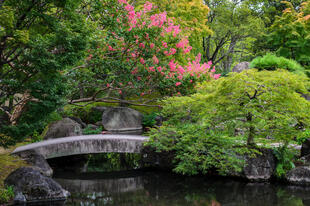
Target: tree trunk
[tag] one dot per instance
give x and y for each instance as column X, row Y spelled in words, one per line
column 250, row 140
column 121, row 103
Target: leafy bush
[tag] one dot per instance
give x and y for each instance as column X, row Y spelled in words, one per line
column 89, row 130
column 198, row 149
column 36, row 137
column 272, row 62
column 201, row 128
column 149, row 120
column 285, row 157
column 6, row 194
column 303, row 136
column 6, row 141
column 289, row 34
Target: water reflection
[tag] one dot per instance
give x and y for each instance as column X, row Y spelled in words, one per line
column 162, row 189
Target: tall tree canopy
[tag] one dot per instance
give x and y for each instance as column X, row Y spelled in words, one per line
column 190, row 14
column 135, row 52
column 38, row 39
column 235, row 26
column 290, row 34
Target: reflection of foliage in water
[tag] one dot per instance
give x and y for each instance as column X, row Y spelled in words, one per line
column 125, row 199
column 287, row 199
column 140, row 198
column 107, row 162
column 158, row 189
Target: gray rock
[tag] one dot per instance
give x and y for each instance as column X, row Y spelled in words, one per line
column 122, row 120
column 37, row 160
column 262, row 167
column 306, row 160
column 78, row 120
column 258, row 169
column 63, row 128
column 19, row 198
column 241, row 67
column 305, row 148
column 299, row 175
column 31, row 186
column 98, row 123
column 92, row 126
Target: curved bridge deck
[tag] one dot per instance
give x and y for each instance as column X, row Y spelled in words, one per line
column 87, row 144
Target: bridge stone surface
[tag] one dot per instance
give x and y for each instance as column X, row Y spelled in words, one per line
column 87, row 144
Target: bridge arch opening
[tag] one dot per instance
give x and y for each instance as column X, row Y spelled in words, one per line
column 97, row 162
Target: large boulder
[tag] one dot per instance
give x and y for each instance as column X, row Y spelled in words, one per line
column 63, row 128
column 260, row 168
column 38, row 161
column 299, row 175
column 257, row 169
column 241, row 67
column 31, row 186
column 78, row 120
column 122, row 120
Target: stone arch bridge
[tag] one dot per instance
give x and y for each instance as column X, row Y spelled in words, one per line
column 87, row 144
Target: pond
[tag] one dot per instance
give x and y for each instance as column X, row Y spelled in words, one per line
column 150, row 188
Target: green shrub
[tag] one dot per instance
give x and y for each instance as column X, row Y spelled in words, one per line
column 6, row 140
column 272, row 62
column 285, row 158
column 36, row 137
column 201, row 128
column 88, row 130
column 6, row 194
column 198, row 149
column 149, row 120
column 303, row 136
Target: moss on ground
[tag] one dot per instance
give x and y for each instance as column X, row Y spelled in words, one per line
column 9, row 163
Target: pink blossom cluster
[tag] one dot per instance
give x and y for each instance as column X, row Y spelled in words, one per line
column 175, row 29
column 184, row 44
column 158, row 20
column 152, row 56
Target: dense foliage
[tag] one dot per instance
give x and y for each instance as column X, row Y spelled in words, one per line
column 137, row 53
column 235, row 25
column 110, row 52
column 289, row 35
column 190, row 14
column 213, row 126
column 273, row 62
column 38, row 39
column 6, row 195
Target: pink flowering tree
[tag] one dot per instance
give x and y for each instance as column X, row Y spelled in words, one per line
column 138, row 54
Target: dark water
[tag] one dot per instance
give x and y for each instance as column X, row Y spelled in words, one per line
column 139, row 188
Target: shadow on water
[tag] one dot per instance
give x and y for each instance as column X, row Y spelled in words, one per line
column 142, row 188
column 104, row 179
